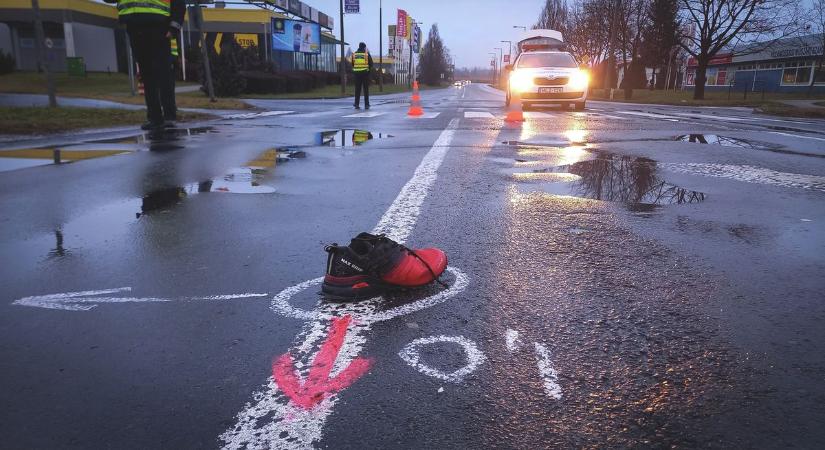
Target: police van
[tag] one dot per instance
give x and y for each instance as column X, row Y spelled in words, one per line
column 543, row 73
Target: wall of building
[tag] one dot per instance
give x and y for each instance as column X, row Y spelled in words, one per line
column 5, row 39
column 97, row 47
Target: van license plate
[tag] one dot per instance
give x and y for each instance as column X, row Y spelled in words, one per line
column 550, row 90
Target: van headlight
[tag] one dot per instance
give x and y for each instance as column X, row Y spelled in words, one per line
column 521, row 81
column 579, row 80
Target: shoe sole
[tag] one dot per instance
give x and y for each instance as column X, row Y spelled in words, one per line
column 349, row 293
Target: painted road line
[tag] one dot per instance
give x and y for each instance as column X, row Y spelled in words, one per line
column 412, row 357
column 86, row 300
column 547, row 372
column 797, row 136
column 750, row 174
column 258, row 115
column 314, row 114
column 512, row 340
column 366, row 114
column 650, row 115
column 540, row 115
column 478, row 115
column 608, row 116
column 273, row 419
column 431, row 115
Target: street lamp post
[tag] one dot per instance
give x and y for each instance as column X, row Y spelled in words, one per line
column 501, row 60
column 342, row 68
column 380, row 46
column 510, row 52
column 522, row 27
column 495, row 70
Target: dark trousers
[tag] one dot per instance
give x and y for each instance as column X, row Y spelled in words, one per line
column 362, row 79
column 152, row 51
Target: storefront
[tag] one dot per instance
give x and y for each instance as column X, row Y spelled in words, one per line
column 786, row 65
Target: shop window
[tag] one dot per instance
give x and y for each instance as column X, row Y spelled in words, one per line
column 796, row 75
column 820, row 77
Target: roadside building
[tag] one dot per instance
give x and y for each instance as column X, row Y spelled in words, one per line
column 73, row 28
column 786, row 66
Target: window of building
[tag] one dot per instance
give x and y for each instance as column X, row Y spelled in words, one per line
column 796, row 75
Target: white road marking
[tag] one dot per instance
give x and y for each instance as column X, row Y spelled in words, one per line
column 478, row 115
column 270, row 420
column 547, row 372
column 86, row 300
column 513, row 342
column 474, row 356
column 608, row 116
column 366, row 114
column 797, row 136
column 750, row 174
column 714, row 117
column 540, row 115
column 259, row 114
column 650, row 115
column 314, row 114
column 431, row 115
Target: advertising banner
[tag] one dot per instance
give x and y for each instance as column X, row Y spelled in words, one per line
column 408, row 28
column 246, row 40
column 352, row 7
column 305, row 11
column 391, row 34
column 323, row 19
column 283, row 4
column 295, row 7
column 401, row 23
column 506, row 58
column 296, row 36
column 314, row 15
column 416, row 44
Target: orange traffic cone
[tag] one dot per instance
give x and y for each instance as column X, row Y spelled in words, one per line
column 415, row 107
column 515, row 111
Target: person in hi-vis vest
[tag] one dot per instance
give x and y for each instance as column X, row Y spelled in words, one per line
column 150, row 25
column 362, row 67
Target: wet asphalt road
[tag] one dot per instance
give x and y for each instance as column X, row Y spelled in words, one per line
column 637, row 276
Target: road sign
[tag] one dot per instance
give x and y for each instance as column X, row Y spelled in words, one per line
column 352, row 7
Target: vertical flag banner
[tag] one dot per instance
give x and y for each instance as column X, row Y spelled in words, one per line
column 408, row 28
column 401, row 23
column 391, row 34
column 352, row 7
column 416, row 43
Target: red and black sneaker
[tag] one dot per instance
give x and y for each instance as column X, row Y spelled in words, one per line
column 372, row 263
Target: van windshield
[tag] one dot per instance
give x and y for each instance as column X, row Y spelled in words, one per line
column 535, row 60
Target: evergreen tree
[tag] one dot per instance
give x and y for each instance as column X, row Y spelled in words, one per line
column 434, row 59
column 661, row 35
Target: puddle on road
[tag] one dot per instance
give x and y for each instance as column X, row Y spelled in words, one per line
column 168, row 139
column 347, row 137
column 715, row 139
column 631, row 181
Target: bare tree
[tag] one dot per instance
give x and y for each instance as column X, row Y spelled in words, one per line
column 553, row 15
column 721, row 24
column 587, row 31
column 817, row 25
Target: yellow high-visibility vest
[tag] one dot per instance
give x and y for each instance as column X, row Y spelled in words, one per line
column 360, row 61
column 125, row 7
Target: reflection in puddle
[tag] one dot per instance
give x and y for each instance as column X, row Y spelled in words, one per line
column 347, row 137
column 715, row 139
column 629, row 180
column 168, row 139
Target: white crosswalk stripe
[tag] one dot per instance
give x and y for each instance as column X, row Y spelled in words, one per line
column 366, row 114
column 431, row 115
column 258, row 114
column 478, row 115
column 540, row 115
column 650, row 115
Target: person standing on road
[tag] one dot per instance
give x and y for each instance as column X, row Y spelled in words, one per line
column 150, row 25
column 362, row 67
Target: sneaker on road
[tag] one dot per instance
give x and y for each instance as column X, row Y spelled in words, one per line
column 373, row 263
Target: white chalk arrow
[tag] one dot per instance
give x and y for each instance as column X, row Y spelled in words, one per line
column 86, row 300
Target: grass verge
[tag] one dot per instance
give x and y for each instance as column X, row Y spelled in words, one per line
column 779, row 109
column 104, row 86
column 38, row 120
column 685, row 98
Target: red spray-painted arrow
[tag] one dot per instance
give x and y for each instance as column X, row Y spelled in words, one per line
column 318, row 384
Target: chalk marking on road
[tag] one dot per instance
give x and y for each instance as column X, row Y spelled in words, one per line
column 366, row 114
column 478, row 115
column 547, row 372
column 431, row 115
column 650, row 115
column 797, row 136
column 271, row 420
column 258, row 114
column 86, row 300
column 475, row 357
column 750, row 174
column 513, row 342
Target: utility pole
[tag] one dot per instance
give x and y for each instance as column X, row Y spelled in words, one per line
column 380, row 45
column 342, row 68
column 42, row 58
column 207, row 67
column 495, row 71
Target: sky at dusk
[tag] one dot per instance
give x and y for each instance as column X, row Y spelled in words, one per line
column 470, row 28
